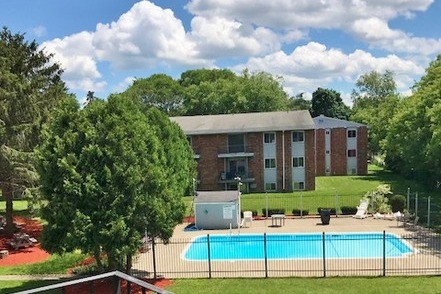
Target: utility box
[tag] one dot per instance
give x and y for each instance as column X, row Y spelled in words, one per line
column 217, row 209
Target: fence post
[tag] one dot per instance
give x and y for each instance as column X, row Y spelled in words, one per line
column 384, row 253
column 408, row 198
column 336, row 204
column 209, row 256
column 301, row 206
column 416, row 204
column 266, row 255
column 154, row 257
column 324, row 255
column 428, row 212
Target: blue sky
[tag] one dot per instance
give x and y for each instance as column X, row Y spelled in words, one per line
column 104, row 44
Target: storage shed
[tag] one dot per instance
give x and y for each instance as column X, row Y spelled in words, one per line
column 217, row 209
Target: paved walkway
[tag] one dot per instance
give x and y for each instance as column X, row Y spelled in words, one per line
column 33, row 277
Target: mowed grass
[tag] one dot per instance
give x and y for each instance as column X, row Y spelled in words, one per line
column 390, row 285
column 55, row 264
column 330, row 192
column 376, row 285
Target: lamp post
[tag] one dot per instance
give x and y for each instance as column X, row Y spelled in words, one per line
column 238, row 179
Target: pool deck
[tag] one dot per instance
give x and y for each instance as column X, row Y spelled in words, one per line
column 305, row 225
column 170, row 262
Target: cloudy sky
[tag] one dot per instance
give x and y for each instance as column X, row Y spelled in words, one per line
column 104, row 44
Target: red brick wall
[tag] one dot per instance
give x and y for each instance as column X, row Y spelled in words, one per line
column 362, row 150
column 338, row 152
column 309, row 160
column 209, row 165
column 320, row 165
column 254, row 143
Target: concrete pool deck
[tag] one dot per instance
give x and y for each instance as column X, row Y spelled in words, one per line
column 171, row 264
column 305, row 225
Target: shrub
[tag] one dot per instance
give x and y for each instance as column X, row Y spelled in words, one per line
column 254, row 213
column 347, row 210
column 331, row 209
column 296, row 212
column 398, row 203
column 273, row 211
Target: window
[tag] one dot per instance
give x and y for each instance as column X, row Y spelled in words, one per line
column 327, row 151
column 236, row 143
column 298, row 162
column 269, row 138
column 352, row 133
column 352, row 153
column 299, row 185
column 270, row 186
column 327, row 132
column 297, row 136
column 270, row 163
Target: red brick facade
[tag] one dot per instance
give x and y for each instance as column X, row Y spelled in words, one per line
column 210, row 166
column 338, row 151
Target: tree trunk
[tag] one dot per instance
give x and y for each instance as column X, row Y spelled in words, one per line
column 7, row 194
column 97, row 255
column 128, row 263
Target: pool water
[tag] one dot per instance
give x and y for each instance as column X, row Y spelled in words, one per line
column 296, row 246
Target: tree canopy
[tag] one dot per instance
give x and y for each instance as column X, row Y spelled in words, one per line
column 30, row 87
column 413, row 141
column 329, row 103
column 211, row 91
column 111, row 172
column 375, row 102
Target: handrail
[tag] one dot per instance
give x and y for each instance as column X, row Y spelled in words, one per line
column 98, row 277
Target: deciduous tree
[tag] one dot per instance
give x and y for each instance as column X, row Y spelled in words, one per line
column 110, row 173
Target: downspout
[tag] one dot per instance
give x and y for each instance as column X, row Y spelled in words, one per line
column 283, row 160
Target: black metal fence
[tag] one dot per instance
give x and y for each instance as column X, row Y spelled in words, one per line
column 302, row 255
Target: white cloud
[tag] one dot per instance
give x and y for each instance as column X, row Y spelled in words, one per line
column 313, row 65
column 367, row 20
column 377, row 33
column 220, row 37
column 123, row 85
column 39, row 31
column 144, row 36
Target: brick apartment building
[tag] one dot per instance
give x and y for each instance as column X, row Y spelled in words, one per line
column 341, row 147
column 273, row 151
column 269, row 151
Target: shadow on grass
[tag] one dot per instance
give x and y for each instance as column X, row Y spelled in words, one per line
column 16, row 286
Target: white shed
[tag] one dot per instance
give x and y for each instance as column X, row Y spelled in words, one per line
column 217, row 209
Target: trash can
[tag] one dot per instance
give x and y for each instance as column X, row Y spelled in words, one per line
column 325, row 216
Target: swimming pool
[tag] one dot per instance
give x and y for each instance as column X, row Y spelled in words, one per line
column 296, row 246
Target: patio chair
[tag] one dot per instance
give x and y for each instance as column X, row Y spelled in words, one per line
column 362, row 210
column 247, row 217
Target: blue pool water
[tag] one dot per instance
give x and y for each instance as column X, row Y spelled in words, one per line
column 296, row 246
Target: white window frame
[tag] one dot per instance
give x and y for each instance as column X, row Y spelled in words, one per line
column 299, row 132
column 269, row 133
column 296, row 186
column 355, row 153
column 355, row 133
column 298, row 157
column 270, row 160
column 271, row 183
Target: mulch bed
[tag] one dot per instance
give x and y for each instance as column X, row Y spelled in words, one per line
column 24, row 255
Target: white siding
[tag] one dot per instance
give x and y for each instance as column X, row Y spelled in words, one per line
column 328, row 151
column 298, row 150
column 351, row 145
column 269, row 151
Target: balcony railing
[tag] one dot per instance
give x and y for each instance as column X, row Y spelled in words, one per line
column 231, row 177
column 236, row 151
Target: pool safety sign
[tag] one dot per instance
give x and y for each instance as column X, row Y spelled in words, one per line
column 228, row 211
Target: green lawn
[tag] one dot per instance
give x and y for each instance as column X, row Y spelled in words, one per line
column 20, row 207
column 331, row 192
column 388, row 285
column 56, row 264
column 376, row 285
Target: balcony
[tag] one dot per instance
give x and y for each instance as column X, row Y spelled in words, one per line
column 235, row 151
column 230, row 177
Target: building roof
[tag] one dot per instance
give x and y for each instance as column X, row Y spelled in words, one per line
column 216, row 196
column 245, row 122
column 324, row 122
